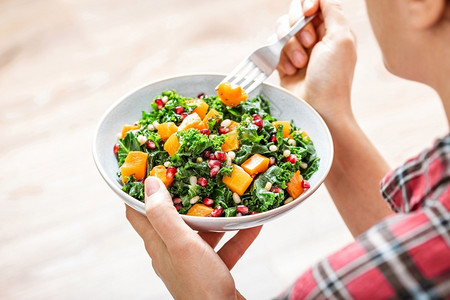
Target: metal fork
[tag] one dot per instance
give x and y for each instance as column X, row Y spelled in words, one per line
column 253, row 70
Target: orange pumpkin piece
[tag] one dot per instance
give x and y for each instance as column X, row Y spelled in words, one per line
column 286, row 127
column 192, row 121
column 127, row 128
column 200, row 210
column 239, row 180
column 231, row 95
column 234, row 125
column 160, row 172
column 165, row 130
column 212, row 115
column 135, row 164
column 256, row 164
column 231, row 141
column 304, row 134
column 201, row 109
column 295, row 187
column 172, row 144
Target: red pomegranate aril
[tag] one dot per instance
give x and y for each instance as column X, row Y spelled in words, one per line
column 208, row 202
column 179, row 110
column 272, row 161
column 214, row 163
column 273, row 139
column 201, row 96
column 242, row 209
column 116, row 149
column 258, row 122
column 254, row 213
column 256, row 117
column 178, row 206
column 213, row 172
column 217, row 212
column 202, row 181
column 220, row 155
column 171, row 171
column 159, row 103
column 206, row 154
column 292, row 159
column 204, row 131
column 184, row 115
column 223, row 130
column 150, row 145
column 305, row 184
column 176, row 200
column 275, row 189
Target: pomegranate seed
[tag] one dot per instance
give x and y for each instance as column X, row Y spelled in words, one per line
column 201, row 96
column 204, row 131
column 179, row 110
column 272, row 161
column 212, row 156
column 217, row 212
column 305, row 184
column 206, row 154
column 258, row 121
column 178, row 206
column 273, row 139
column 183, row 116
column 254, row 213
column 214, row 163
column 213, row 172
column 171, row 171
column 116, row 149
column 223, row 130
column 275, row 189
column 220, row 155
column 159, row 103
column 202, row 181
column 208, row 202
column 176, row 200
column 292, row 159
column 150, row 145
column 242, row 209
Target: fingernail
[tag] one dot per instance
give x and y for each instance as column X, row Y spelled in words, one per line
column 307, row 5
column 307, row 38
column 298, row 58
column 290, row 69
column 151, row 187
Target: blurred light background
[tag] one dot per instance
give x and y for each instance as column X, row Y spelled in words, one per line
column 63, row 232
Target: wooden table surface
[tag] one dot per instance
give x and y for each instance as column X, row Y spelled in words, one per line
column 63, row 234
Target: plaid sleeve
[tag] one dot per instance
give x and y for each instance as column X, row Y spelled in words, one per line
column 420, row 178
column 403, row 257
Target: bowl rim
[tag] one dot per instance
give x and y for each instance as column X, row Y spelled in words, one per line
column 137, row 205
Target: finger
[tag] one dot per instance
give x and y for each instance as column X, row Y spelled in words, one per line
column 333, row 14
column 295, row 12
column 233, row 250
column 285, row 65
column 310, row 7
column 296, row 53
column 142, row 226
column 163, row 215
column 212, row 238
column 307, row 36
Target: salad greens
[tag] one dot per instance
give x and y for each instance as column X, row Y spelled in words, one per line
column 208, row 172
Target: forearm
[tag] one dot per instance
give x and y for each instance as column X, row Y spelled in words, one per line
column 353, row 181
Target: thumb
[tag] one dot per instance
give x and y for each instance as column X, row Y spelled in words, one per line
column 310, row 7
column 161, row 213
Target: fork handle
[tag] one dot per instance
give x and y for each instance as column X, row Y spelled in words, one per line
column 296, row 28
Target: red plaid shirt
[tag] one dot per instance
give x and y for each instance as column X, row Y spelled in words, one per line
column 405, row 256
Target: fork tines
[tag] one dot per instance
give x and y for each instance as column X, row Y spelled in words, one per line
column 247, row 74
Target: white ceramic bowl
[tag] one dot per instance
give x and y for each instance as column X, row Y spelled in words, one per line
column 284, row 106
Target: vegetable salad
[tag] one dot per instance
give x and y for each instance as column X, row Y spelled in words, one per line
column 221, row 156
